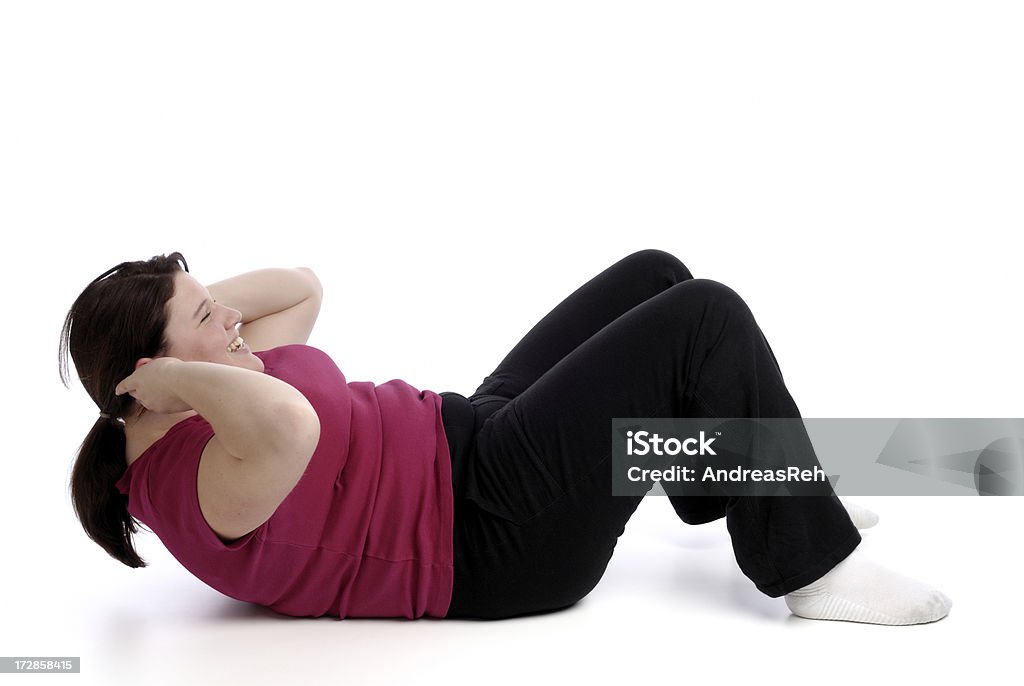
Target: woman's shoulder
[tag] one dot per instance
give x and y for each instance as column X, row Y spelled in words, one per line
column 294, row 358
column 291, row 351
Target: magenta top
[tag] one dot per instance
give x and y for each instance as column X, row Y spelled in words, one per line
column 367, row 530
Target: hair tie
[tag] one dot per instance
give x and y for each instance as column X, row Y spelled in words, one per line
column 104, row 415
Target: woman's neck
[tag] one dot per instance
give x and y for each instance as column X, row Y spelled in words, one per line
column 144, row 430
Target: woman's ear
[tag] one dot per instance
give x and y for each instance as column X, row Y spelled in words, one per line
column 142, row 360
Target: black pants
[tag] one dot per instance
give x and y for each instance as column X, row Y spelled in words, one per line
column 535, row 519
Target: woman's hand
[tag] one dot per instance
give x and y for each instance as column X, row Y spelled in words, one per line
column 152, row 386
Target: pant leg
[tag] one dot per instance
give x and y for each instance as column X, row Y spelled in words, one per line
column 622, row 286
column 539, row 522
column 629, row 282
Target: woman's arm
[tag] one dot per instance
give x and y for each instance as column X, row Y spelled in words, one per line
column 278, row 306
column 255, row 416
column 265, row 433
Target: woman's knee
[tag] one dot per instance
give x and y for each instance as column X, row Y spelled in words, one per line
column 713, row 304
column 658, row 262
column 716, row 293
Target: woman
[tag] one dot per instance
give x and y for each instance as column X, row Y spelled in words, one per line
column 276, row 481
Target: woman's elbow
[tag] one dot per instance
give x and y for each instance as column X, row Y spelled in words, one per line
column 299, row 429
column 315, row 287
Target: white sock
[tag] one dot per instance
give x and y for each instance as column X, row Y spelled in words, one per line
column 861, row 590
column 862, row 517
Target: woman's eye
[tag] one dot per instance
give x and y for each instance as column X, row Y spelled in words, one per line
column 205, row 317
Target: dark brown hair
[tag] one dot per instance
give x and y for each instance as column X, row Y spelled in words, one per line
column 119, row 317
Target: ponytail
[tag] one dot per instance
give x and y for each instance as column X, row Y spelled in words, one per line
column 101, row 508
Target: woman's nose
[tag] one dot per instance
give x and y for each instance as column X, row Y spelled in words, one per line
column 232, row 317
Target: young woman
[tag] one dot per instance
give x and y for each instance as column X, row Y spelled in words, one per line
column 276, row 481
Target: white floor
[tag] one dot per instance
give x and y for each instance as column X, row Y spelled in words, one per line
column 672, row 605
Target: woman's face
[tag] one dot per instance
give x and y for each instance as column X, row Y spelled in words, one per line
column 198, row 329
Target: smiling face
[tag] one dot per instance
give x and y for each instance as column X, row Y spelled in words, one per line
column 200, row 329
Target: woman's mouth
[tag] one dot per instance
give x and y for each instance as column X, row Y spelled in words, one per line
column 236, row 344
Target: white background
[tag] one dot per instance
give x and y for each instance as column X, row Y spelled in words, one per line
column 451, row 171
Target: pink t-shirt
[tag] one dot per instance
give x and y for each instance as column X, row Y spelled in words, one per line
column 366, row 532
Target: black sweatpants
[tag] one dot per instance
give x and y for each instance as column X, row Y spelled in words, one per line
column 535, row 519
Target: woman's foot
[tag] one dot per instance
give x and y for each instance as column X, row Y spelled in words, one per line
column 861, row 590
